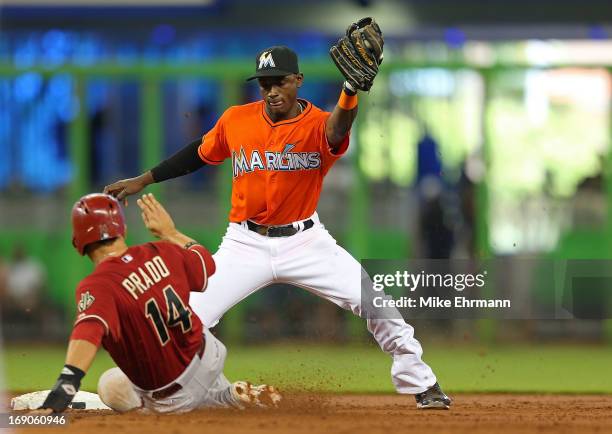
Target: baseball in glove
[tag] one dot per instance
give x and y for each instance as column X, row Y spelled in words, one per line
column 359, row 53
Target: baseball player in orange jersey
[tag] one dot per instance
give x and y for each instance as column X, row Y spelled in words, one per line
column 136, row 305
column 281, row 147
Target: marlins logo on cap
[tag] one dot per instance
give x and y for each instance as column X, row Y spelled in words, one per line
column 266, row 60
column 277, row 61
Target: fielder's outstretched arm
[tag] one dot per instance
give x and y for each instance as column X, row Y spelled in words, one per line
column 182, row 163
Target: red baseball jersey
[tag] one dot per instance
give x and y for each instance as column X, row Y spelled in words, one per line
column 142, row 299
column 278, row 167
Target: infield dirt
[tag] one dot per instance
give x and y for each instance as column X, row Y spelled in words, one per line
column 310, row 414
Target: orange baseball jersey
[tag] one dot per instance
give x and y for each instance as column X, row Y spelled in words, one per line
column 278, row 167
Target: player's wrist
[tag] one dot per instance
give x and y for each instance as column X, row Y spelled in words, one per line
column 348, row 89
column 146, row 178
column 169, row 234
column 348, row 99
column 65, row 388
column 175, row 236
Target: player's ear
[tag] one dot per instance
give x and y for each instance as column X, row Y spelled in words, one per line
column 299, row 78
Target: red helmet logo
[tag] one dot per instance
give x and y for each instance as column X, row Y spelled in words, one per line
column 96, row 217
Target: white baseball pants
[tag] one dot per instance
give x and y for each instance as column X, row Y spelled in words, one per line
column 203, row 385
column 311, row 259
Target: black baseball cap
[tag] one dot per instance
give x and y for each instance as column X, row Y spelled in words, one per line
column 276, row 61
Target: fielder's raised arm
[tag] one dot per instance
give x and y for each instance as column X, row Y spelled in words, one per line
column 357, row 55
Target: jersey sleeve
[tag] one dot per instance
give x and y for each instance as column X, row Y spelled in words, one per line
column 95, row 301
column 214, row 148
column 199, row 265
column 328, row 155
column 89, row 330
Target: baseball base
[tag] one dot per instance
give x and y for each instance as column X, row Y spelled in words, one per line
column 82, row 401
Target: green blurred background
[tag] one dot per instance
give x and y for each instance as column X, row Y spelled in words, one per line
column 487, row 134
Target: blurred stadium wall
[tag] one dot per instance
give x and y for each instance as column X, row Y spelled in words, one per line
column 487, row 134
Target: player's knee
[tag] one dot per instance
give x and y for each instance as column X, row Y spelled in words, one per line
column 116, row 391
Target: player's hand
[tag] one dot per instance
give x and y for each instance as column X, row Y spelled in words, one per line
column 126, row 187
column 155, row 217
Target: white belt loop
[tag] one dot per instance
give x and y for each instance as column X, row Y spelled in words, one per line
column 299, row 225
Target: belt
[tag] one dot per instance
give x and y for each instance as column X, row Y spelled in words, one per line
column 279, row 231
column 175, row 387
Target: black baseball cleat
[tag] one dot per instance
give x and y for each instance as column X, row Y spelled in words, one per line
column 433, row 398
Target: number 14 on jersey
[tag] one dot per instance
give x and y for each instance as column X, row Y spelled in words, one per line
column 176, row 314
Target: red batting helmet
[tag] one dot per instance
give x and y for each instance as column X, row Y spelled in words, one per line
column 96, row 217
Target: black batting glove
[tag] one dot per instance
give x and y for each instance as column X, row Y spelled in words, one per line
column 65, row 388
